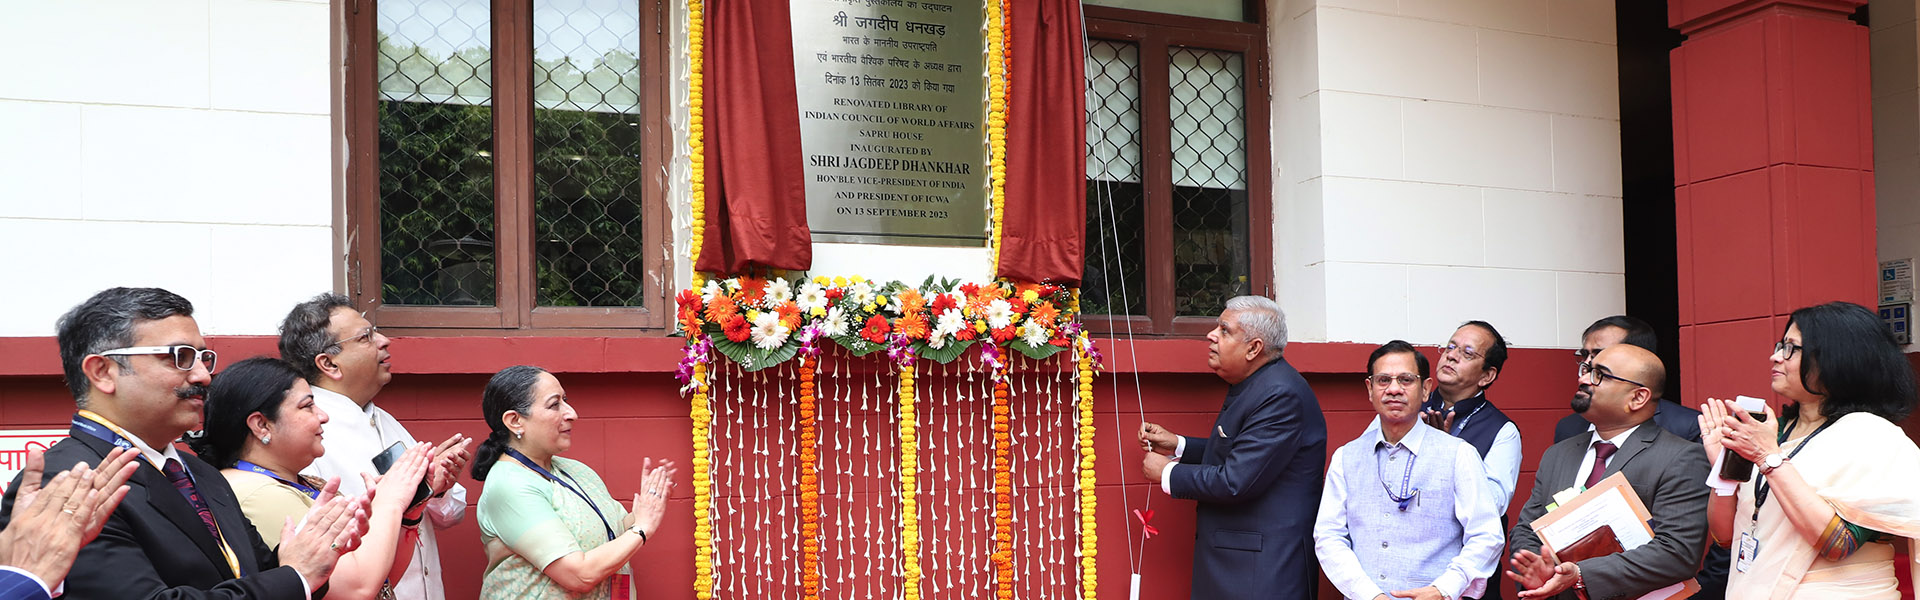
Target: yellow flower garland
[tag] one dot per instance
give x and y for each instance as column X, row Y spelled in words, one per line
column 1089, row 541
column 909, row 505
column 997, row 121
column 700, row 412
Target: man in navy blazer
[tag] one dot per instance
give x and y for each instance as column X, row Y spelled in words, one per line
column 1257, row 475
column 138, row 370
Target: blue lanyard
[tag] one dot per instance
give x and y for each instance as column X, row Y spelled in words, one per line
column 1406, row 480
column 253, row 468
column 1761, row 486
column 576, row 491
column 101, row 431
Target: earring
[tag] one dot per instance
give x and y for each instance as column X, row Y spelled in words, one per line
column 516, row 435
column 266, row 439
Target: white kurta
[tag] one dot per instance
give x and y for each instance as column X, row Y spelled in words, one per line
column 353, row 437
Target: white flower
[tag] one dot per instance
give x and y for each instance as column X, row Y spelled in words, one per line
column 733, row 285
column 1036, row 334
column 768, row 333
column 936, row 341
column 950, row 322
column 861, row 293
column 836, row 322
column 778, row 292
column 812, row 296
column 712, row 289
column 999, row 314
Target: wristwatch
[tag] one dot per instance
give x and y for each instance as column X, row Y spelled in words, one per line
column 1771, row 462
column 636, row 529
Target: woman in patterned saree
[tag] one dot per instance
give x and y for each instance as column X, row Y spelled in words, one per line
column 550, row 528
column 1838, row 479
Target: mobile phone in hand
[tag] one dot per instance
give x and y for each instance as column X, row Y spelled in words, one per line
column 385, row 459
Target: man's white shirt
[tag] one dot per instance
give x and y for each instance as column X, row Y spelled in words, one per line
column 353, row 437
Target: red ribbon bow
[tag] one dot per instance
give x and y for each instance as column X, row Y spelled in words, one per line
column 1147, row 530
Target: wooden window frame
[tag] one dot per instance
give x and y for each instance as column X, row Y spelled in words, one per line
column 514, row 312
column 1155, row 33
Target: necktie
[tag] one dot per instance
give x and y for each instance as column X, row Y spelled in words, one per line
column 178, row 475
column 1601, row 451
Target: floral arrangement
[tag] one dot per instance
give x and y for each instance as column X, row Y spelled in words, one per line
column 760, row 323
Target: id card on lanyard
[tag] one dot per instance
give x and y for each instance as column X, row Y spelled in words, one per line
column 622, row 581
column 99, row 427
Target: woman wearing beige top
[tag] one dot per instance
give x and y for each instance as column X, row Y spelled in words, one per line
column 262, row 428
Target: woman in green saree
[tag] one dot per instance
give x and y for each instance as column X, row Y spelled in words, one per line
column 550, row 527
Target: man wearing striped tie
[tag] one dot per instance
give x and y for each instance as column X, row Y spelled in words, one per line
column 138, row 370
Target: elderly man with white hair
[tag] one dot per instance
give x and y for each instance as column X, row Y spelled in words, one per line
column 1257, row 475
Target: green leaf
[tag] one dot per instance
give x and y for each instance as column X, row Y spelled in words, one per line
column 945, row 354
column 1034, row 352
column 767, row 358
column 738, row 352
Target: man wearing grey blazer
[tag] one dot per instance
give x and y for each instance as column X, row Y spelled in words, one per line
column 1667, row 472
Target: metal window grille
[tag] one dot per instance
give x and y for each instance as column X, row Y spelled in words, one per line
column 1211, row 247
column 1116, row 197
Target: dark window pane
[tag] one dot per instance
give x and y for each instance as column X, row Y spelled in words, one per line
column 588, row 177
column 436, row 166
column 1209, row 138
column 1115, row 281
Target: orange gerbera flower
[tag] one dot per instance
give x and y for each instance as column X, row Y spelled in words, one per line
column 752, row 290
column 911, row 302
column 1044, row 314
column 914, row 326
column 721, row 310
column 789, row 315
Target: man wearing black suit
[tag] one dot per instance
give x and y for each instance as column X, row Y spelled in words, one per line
column 55, row 521
column 1666, row 473
column 1257, row 476
column 1622, row 329
column 138, row 370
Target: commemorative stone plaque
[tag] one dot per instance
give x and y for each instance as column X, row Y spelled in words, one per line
column 893, row 120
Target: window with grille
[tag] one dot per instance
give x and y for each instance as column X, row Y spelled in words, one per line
column 505, row 163
column 1178, row 193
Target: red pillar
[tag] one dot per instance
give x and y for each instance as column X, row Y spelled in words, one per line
column 1773, row 178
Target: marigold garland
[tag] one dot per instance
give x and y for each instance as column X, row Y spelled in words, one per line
column 909, row 488
column 809, row 486
column 1089, row 540
column 1002, row 488
column 700, row 411
column 997, row 68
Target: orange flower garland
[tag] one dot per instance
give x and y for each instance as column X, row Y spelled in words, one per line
column 809, row 486
column 909, row 489
column 699, row 411
column 1002, row 489
column 997, row 64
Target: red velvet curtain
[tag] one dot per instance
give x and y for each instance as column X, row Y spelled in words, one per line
column 1045, row 223
column 756, row 213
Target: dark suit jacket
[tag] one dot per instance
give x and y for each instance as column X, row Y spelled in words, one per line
column 15, row 586
column 156, row 546
column 1257, row 478
column 1669, row 415
column 1668, row 473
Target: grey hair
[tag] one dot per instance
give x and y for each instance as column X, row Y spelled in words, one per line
column 305, row 335
column 1262, row 319
column 105, row 322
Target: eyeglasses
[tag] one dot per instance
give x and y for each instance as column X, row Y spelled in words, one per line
column 183, row 355
column 1583, row 354
column 366, row 334
column 1786, row 349
column 1466, row 352
column 1588, row 368
column 1384, row 380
